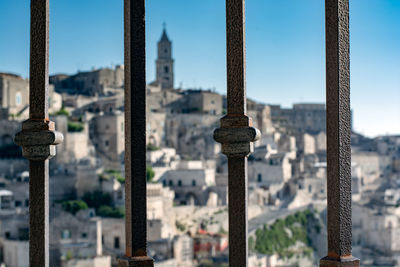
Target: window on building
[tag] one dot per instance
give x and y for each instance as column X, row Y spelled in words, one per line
column 116, row 242
column 259, row 177
column 194, row 183
column 84, row 235
column 106, row 143
column 66, row 234
column 170, row 183
column 179, row 182
column 166, row 69
column 164, row 182
column 18, row 99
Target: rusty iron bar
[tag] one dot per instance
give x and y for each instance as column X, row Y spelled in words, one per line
column 236, row 133
column 39, row 60
column 236, row 59
column 237, row 199
column 338, row 135
column 135, row 136
column 38, row 136
column 39, row 213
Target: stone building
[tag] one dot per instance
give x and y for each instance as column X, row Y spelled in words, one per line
column 91, row 83
column 301, row 118
column 76, row 236
column 14, row 94
column 107, row 134
column 201, row 101
column 191, row 135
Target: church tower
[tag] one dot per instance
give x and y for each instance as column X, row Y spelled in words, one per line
column 165, row 63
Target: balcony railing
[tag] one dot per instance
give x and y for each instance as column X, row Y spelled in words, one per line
column 236, row 134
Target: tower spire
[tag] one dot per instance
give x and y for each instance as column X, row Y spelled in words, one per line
column 165, row 62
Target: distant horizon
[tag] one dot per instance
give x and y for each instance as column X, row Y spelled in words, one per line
column 285, row 43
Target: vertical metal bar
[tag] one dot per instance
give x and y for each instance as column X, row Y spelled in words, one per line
column 237, row 197
column 235, row 60
column 38, row 136
column 38, row 109
column 237, row 166
column 236, row 133
column 135, row 135
column 39, row 213
column 39, row 60
column 338, row 134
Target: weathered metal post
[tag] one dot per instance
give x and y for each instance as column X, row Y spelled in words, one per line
column 338, row 135
column 135, row 136
column 236, row 133
column 38, row 136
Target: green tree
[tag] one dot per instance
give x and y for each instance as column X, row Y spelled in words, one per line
column 97, row 198
column 73, row 206
column 107, row 211
column 149, row 173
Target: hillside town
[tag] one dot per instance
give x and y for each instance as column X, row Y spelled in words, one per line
column 187, row 177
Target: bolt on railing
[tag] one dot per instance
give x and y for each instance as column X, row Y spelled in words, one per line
column 38, row 136
column 236, row 133
column 135, row 136
column 338, row 128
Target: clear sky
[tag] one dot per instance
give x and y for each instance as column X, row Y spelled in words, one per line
column 285, row 48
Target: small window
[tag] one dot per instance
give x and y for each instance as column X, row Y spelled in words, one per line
column 179, row 182
column 166, row 69
column 116, row 242
column 84, row 235
column 194, row 183
column 65, row 234
column 18, row 99
column 106, row 143
column 164, row 183
column 170, row 183
column 259, row 178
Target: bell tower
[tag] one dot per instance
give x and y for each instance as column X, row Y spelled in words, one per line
column 164, row 62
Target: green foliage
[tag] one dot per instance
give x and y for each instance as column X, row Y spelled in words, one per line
column 96, row 199
column 112, row 173
column 181, row 227
column 222, row 231
column 151, row 147
column 75, row 127
column 112, row 212
column 252, row 244
column 149, row 173
column 62, row 112
column 73, row 206
column 282, row 234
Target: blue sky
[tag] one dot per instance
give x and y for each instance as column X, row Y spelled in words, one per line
column 285, row 48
